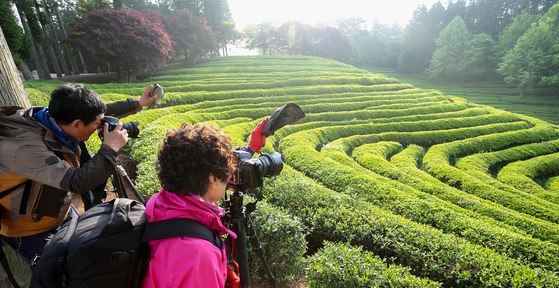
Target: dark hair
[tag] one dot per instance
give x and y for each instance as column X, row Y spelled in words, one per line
column 189, row 155
column 71, row 102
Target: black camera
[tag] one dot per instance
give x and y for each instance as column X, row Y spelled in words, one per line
column 130, row 127
column 250, row 172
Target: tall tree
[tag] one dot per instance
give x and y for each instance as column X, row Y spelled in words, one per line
column 19, row 43
column 451, row 47
column 251, row 32
column 192, row 37
column 418, row 42
column 28, row 15
column 534, row 61
column 12, row 92
column 56, row 42
column 272, row 40
column 131, row 41
column 479, row 60
column 48, row 40
column 220, row 21
column 54, row 6
column 509, row 36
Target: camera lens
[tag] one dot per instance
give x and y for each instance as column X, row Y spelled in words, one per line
column 271, row 164
column 132, row 128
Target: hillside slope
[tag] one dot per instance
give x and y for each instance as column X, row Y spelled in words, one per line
column 392, row 184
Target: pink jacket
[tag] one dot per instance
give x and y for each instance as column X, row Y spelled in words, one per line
column 184, row 261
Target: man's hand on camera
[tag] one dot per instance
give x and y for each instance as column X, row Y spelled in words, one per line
column 146, row 100
column 117, row 138
column 257, row 139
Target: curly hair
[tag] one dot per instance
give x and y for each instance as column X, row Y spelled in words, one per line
column 189, row 155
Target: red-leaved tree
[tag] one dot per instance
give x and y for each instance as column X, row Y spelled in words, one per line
column 131, row 41
column 191, row 35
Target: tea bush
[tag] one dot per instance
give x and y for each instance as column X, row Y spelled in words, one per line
column 384, row 184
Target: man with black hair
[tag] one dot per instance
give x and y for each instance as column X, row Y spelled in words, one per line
column 42, row 162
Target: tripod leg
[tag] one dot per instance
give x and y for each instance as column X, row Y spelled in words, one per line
column 258, row 250
column 240, row 255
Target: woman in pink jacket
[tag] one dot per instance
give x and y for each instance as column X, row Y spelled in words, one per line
column 194, row 165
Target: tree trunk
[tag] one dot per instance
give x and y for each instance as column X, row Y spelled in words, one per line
column 75, row 68
column 28, row 32
column 24, row 69
column 36, row 62
column 48, row 41
column 42, row 67
column 44, row 71
column 12, row 92
column 55, row 38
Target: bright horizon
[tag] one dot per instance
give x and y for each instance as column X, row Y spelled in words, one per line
column 315, row 12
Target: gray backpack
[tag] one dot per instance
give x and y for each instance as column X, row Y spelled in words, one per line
column 107, row 246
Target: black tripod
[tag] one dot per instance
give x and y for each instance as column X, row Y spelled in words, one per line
column 237, row 219
column 124, row 187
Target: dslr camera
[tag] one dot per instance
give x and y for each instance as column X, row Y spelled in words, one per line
column 250, row 172
column 130, row 127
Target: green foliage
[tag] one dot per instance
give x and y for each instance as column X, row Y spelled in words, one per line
column 552, row 184
column 341, row 265
column 509, row 36
column 18, row 42
column 479, row 56
column 524, row 174
column 384, row 184
column 428, row 252
column 131, row 41
column 451, row 46
column 533, row 61
column 284, row 241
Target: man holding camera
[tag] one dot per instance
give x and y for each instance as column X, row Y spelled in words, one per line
column 42, row 160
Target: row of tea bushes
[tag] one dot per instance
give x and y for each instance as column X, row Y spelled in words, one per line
column 521, row 175
column 472, row 226
column 408, row 162
column 427, row 251
column 437, row 162
column 339, row 172
column 486, row 163
column 414, row 209
column 343, row 265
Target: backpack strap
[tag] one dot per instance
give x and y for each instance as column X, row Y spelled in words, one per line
column 178, row 227
column 3, row 257
column 6, row 266
column 7, row 192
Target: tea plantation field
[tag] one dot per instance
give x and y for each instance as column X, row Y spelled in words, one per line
column 384, row 184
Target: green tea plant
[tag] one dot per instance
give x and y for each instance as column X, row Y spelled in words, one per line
column 384, row 184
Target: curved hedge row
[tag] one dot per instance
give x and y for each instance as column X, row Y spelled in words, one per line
column 428, row 252
column 415, row 172
column 472, row 226
column 341, row 265
column 522, row 175
column 340, row 173
column 409, row 160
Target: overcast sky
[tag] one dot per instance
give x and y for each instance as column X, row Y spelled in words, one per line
column 312, row 12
